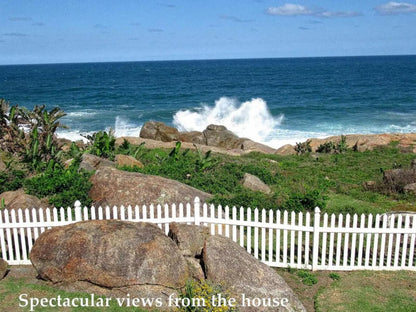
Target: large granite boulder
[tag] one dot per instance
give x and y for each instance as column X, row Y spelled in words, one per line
column 111, row 254
column 253, row 183
column 91, row 162
column 3, row 268
column 115, row 187
column 19, row 199
column 228, row 264
column 157, row 130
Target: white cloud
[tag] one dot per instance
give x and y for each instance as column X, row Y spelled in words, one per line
column 290, row 9
column 396, row 8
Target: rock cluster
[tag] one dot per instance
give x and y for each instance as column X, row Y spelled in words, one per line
column 111, row 256
column 214, row 135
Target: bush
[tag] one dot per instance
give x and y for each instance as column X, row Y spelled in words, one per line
column 335, row 276
column 303, row 148
column 62, row 186
column 299, row 202
column 102, row 144
column 202, row 293
column 307, row 277
column 332, row 148
column 11, row 180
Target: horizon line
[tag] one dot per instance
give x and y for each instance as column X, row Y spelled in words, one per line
column 206, row 59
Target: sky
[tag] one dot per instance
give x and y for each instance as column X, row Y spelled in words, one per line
column 50, row 31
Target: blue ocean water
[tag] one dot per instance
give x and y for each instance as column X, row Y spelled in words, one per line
column 276, row 101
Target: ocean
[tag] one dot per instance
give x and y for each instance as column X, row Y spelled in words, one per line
column 274, row 101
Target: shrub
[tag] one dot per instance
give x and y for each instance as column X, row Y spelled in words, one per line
column 332, row 148
column 62, row 186
column 102, row 144
column 335, row 276
column 307, row 277
column 11, row 180
column 308, row 201
column 246, row 198
column 303, row 148
column 202, row 293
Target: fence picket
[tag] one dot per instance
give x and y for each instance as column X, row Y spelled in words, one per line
column 256, row 233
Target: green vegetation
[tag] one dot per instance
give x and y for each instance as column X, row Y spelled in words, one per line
column 335, row 276
column 334, row 148
column 102, row 144
column 201, row 293
column 307, row 277
column 62, row 186
column 366, row 291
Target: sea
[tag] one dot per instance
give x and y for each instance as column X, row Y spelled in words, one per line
column 273, row 101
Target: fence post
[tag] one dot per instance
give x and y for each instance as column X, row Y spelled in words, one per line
column 197, row 210
column 77, row 208
column 315, row 246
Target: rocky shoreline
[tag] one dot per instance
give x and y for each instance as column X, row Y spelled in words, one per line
column 219, row 139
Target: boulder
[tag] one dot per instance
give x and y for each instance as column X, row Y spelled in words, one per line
column 216, row 135
column 229, row 264
column 91, row 162
column 19, row 199
column 190, row 239
column 157, row 130
column 286, row 150
column 253, row 183
column 3, row 268
column 110, row 254
column 395, row 180
column 129, row 161
column 193, row 137
column 115, row 187
column 410, row 188
column 251, row 146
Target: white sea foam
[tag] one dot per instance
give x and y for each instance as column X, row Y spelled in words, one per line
column 251, row 119
column 124, row 128
column 81, row 114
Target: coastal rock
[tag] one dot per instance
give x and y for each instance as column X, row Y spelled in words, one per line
column 255, row 184
column 229, row 264
column 286, row 150
column 251, row 146
column 115, row 187
column 91, row 162
column 111, row 254
column 3, row 268
column 216, row 135
column 19, row 199
column 129, row 161
column 157, row 130
column 193, row 137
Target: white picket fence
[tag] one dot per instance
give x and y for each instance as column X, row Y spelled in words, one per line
column 279, row 239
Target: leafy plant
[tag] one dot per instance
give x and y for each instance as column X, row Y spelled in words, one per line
column 307, row 277
column 62, row 186
column 303, row 148
column 335, row 276
column 11, row 180
column 308, row 201
column 333, row 148
column 102, row 144
column 204, row 161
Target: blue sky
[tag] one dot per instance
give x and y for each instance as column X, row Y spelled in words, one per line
column 50, row 31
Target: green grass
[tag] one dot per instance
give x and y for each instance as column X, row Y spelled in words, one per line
column 370, row 291
column 332, row 181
